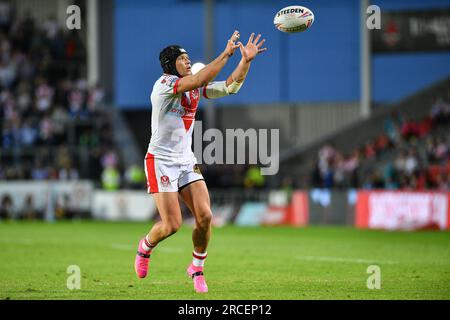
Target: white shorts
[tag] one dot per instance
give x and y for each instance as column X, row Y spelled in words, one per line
column 168, row 177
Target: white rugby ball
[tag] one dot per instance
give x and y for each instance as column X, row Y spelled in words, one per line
column 293, row 19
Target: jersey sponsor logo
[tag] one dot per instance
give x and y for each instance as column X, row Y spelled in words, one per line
column 169, row 80
column 178, row 111
column 165, row 181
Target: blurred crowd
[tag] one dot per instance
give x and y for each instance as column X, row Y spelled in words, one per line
column 52, row 122
column 233, row 176
column 407, row 154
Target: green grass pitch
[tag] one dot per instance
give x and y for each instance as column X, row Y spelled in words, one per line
column 243, row 263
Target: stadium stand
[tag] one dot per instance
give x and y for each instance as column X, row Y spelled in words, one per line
column 363, row 155
column 53, row 124
column 406, row 154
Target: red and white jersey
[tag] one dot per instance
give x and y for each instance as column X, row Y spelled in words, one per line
column 173, row 117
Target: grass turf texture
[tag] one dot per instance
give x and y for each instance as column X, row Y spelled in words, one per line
column 243, row 263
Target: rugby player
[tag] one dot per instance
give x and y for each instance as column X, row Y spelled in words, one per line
column 170, row 165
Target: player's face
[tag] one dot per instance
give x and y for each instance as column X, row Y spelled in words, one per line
column 183, row 65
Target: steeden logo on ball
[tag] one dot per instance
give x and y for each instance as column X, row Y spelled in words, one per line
column 293, row 19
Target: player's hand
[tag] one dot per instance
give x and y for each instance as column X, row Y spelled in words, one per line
column 231, row 45
column 251, row 50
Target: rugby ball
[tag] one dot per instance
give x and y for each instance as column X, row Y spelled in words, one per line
column 293, row 19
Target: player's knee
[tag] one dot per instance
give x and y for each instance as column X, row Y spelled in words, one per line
column 170, row 230
column 204, row 218
column 172, row 227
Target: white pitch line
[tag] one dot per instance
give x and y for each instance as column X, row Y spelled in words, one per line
column 338, row 259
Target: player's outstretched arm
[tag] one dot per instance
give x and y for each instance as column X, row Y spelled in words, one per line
column 210, row 71
column 234, row 82
column 249, row 52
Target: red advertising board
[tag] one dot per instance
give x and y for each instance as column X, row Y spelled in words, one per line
column 402, row 210
column 295, row 213
column 298, row 212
